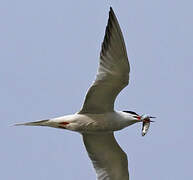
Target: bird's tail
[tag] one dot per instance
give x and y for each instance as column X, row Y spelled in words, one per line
column 35, row 123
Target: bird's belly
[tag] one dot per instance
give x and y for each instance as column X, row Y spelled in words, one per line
column 94, row 123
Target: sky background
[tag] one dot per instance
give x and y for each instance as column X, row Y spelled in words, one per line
column 49, row 54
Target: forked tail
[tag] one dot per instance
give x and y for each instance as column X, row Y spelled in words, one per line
column 35, row 123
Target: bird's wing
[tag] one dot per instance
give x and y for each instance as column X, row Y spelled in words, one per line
column 113, row 71
column 109, row 160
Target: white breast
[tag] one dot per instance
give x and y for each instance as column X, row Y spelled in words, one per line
column 111, row 121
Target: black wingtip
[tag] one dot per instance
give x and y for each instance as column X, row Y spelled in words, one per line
column 112, row 16
column 111, row 10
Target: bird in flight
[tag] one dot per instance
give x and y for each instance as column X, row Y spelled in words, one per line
column 97, row 120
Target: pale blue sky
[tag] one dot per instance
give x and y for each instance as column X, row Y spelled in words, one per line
column 48, row 58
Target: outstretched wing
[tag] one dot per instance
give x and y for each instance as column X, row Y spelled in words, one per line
column 113, row 71
column 109, row 160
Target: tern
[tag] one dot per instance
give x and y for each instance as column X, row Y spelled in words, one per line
column 97, row 120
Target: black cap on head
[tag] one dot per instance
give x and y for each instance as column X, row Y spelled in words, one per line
column 131, row 112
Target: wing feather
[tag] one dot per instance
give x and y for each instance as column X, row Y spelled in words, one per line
column 113, row 71
column 109, row 160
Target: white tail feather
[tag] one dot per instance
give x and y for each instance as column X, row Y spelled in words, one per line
column 35, row 123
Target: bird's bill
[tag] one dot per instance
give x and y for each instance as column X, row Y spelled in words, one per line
column 151, row 121
column 147, row 119
column 152, row 117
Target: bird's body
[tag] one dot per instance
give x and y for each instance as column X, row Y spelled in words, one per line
column 89, row 123
column 97, row 120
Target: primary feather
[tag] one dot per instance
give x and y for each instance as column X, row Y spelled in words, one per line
column 113, row 71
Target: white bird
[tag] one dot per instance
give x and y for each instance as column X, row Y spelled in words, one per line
column 97, row 120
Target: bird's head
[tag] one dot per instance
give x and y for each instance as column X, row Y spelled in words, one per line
column 145, row 119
